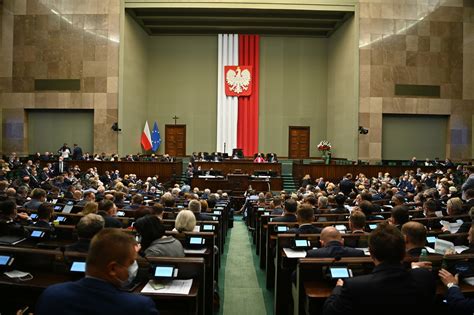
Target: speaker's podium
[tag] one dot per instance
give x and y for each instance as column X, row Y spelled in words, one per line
column 238, row 181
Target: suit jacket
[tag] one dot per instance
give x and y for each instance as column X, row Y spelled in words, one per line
column 306, row 229
column 389, row 289
column 335, row 249
column 111, row 222
column 92, row 296
column 285, row 218
column 458, row 303
column 468, row 184
column 33, row 204
column 203, row 217
column 277, row 211
column 346, row 186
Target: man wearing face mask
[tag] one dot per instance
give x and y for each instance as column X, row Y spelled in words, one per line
column 111, row 264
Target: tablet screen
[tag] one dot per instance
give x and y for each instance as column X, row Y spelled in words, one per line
column 67, row 208
column 195, row 240
column 33, row 215
column 61, row 218
column 4, row 260
column 372, row 226
column 37, row 234
column 282, row 228
column 208, row 227
column 166, row 272
column 302, row 243
column 78, row 266
column 339, row 272
column 431, row 239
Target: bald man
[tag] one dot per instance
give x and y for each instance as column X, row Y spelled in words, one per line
column 333, row 246
column 414, row 234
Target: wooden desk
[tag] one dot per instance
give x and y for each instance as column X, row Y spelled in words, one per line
column 246, row 166
column 214, row 184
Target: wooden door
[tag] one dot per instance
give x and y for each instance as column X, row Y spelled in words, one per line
column 298, row 143
column 175, row 140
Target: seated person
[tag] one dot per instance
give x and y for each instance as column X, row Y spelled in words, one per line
column 340, row 200
column 38, row 196
column 90, row 207
column 45, row 213
column 276, row 206
column 333, row 246
column 470, row 238
column 195, row 207
column 357, row 222
column 429, row 210
column 154, row 242
column 399, row 216
column 414, row 234
column 185, row 221
column 389, row 287
column 137, row 201
column 458, row 303
column 111, row 264
column 454, row 207
column 109, row 212
column 89, row 196
column 88, row 226
column 10, row 219
column 305, row 217
column 289, row 212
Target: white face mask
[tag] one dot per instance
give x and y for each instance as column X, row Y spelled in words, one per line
column 132, row 273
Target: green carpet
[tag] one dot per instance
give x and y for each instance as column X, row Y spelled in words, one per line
column 241, row 285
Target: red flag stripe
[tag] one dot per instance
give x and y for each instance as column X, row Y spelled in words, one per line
column 247, row 123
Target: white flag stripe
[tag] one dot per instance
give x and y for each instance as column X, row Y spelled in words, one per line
column 227, row 106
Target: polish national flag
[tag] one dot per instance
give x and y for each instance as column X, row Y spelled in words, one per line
column 146, row 137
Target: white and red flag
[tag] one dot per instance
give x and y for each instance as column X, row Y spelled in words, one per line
column 146, row 137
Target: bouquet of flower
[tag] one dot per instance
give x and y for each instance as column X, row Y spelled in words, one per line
column 324, row 146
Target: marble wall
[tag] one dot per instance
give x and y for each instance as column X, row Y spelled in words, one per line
column 53, row 39
column 425, row 42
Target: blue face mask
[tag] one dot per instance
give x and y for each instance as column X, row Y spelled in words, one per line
column 132, row 273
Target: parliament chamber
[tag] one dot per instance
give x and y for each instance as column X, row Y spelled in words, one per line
column 228, row 157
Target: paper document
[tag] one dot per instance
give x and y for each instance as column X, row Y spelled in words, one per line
column 469, row 280
column 430, row 250
column 439, row 213
column 452, row 227
column 171, row 287
column 442, row 247
column 460, row 248
column 291, row 253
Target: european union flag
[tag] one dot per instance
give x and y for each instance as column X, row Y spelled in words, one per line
column 155, row 138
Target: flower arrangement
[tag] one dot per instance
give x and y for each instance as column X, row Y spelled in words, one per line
column 324, row 146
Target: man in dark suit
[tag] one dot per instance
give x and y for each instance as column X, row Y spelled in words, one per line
column 108, row 212
column 399, row 216
column 357, row 222
column 289, row 214
column 305, row 217
column 195, row 207
column 390, row 288
column 346, row 185
column 76, row 152
column 458, row 303
column 38, row 196
column 333, row 246
column 45, row 212
column 88, row 226
column 414, row 234
column 111, row 263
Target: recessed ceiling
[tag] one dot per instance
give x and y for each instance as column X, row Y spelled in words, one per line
column 157, row 21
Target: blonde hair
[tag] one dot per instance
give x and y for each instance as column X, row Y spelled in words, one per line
column 185, row 221
column 90, row 207
column 455, row 204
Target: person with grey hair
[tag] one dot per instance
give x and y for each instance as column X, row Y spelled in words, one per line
column 185, row 221
column 88, row 226
column 195, row 207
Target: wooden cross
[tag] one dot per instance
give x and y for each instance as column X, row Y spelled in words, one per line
column 175, row 119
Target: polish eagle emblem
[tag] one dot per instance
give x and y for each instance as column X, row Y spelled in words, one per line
column 238, row 80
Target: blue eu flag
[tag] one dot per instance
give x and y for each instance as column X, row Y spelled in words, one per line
column 155, row 138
